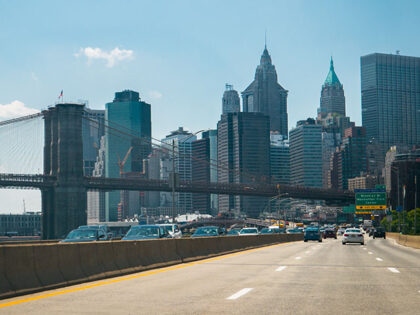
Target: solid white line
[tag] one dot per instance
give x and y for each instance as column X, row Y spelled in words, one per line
column 297, row 258
column 364, row 248
column 239, row 294
column 281, row 268
column 394, row 270
column 379, row 259
column 370, row 253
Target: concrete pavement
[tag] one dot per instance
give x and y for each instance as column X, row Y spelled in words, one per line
column 293, row 278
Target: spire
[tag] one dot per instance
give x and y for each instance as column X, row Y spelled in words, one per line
column 265, row 57
column 265, row 40
column 332, row 78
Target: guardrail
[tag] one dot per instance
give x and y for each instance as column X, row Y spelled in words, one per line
column 406, row 240
column 30, row 268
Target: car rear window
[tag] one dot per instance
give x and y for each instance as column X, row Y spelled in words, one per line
column 353, row 231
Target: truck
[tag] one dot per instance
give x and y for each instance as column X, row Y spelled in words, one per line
column 367, row 224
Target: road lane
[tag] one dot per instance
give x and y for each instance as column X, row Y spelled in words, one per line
column 328, row 278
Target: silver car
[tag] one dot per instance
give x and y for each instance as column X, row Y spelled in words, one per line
column 353, row 236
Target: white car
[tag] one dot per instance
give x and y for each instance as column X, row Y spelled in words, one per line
column 173, row 230
column 341, row 231
column 353, row 236
column 249, row 231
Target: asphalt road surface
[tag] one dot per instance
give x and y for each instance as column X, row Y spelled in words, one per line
column 294, row 278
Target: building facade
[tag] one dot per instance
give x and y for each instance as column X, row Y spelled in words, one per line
column 212, row 136
column 230, row 100
column 201, row 173
column 279, row 159
column 265, row 95
column 126, row 111
column 243, row 146
column 93, row 130
column 26, row 224
column 181, row 140
column 306, row 154
column 391, row 99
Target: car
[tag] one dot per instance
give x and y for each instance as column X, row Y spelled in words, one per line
column 341, row 231
column 249, row 231
column 233, row 232
column 330, row 233
column 86, row 235
column 353, row 235
column 379, row 232
column 269, row 231
column 312, row 234
column 293, row 231
column 146, row 232
column 173, row 230
column 208, row 231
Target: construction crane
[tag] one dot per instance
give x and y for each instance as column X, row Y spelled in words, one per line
column 121, row 166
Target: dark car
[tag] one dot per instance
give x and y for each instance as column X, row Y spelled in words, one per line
column 208, row 231
column 330, row 233
column 379, row 232
column 146, row 232
column 86, row 235
column 312, row 234
column 233, row 232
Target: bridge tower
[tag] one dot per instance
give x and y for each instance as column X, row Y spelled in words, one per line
column 64, row 205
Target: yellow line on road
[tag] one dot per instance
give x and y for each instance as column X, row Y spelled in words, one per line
column 133, row 277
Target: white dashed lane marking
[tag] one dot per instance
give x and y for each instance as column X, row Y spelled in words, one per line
column 239, row 294
column 281, row 268
column 370, row 253
column 379, row 259
column 394, row 270
column 297, row 258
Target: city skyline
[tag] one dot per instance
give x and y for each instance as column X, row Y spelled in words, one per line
column 181, row 66
column 164, row 60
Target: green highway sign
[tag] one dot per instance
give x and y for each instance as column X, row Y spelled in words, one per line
column 370, row 200
column 349, row 209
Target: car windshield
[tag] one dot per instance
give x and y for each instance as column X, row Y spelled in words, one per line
column 143, row 231
column 249, row 231
column 82, row 234
column 353, row 231
column 206, row 230
column 168, row 228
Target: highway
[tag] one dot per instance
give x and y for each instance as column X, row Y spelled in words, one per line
column 293, row 278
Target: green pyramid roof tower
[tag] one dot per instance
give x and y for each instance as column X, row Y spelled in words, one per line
column 332, row 78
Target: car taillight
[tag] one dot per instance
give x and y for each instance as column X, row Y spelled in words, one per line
column 346, row 235
column 360, row 235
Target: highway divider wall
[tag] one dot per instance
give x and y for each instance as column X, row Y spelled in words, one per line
column 406, row 240
column 27, row 268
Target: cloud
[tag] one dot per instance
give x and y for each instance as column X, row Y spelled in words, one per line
column 15, row 109
column 155, row 95
column 111, row 57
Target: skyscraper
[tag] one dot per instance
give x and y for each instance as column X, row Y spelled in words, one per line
column 230, row 100
column 126, row 110
column 212, row 136
column 92, row 131
column 243, row 145
column 267, row 96
column 391, row 99
column 332, row 95
column 306, row 154
column 182, row 140
column 201, row 173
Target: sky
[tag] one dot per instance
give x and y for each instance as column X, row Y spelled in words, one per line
column 179, row 54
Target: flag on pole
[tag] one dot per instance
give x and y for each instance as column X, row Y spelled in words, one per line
column 61, row 94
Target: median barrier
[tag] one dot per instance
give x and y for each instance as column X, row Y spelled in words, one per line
column 106, row 257
column 20, row 268
column 5, row 286
column 69, row 263
column 46, row 266
column 89, row 261
column 413, row 241
column 30, row 268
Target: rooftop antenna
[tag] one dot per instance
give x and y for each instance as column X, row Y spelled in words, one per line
column 397, row 52
column 265, row 39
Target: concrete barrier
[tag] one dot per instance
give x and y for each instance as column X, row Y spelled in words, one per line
column 405, row 240
column 19, row 267
column 46, row 264
column 31, row 268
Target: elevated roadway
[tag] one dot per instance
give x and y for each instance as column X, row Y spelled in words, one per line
column 294, row 278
